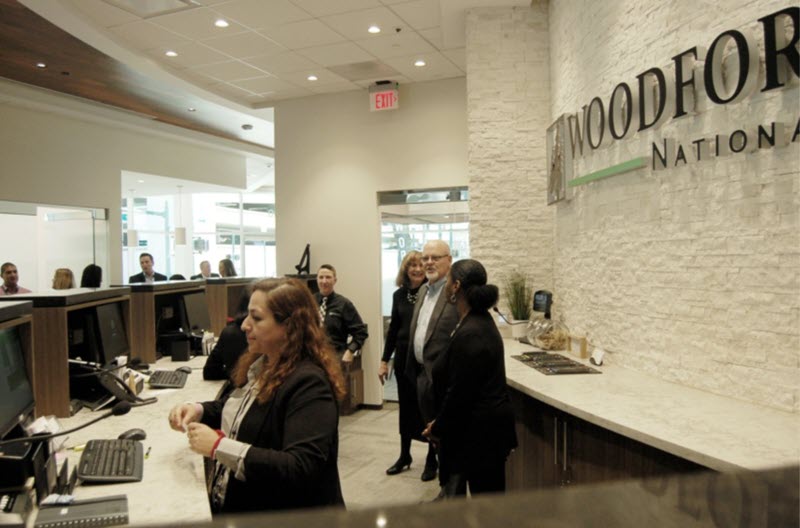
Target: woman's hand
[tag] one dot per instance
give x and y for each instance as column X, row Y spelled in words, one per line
column 429, row 435
column 383, row 372
column 348, row 356
column 201, row 438
column 182, row 415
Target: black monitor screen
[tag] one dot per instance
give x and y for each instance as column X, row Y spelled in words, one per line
column 16, row 395
column 197, row 311
column 169, row 314
column 83, row 340
column 113, row 339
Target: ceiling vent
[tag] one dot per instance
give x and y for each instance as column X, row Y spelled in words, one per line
column 152, row 8
column 364, row 71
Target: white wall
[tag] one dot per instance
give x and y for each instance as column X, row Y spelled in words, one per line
column 692, row 273
column 333, row 156
column 54, row 159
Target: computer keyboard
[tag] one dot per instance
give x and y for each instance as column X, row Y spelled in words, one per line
column 106, row 461
column 168, row 379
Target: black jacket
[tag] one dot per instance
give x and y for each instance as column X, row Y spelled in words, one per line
column 231, row 344
column 475, row 420
column 139, row 277
column 295, row 444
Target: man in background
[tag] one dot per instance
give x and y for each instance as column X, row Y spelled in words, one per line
column 339, row 316
column 433, row 321
column 148, row 274
column 11, row 280
column 205, row 271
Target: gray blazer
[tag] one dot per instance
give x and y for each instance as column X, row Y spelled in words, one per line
column 437, row 339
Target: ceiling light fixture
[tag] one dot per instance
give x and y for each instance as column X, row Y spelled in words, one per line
column 41, row 65
column 192, row 109
column 374, row 29
column 140, row 181
column 221, row 23
column 312, row 77
column 247, row 126
column 171, row 53
column 419, row 63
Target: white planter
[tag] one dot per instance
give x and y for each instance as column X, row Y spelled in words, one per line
column 519, row 328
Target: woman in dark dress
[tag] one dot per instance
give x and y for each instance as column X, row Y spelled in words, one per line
column 475, row 423
column 409, row 278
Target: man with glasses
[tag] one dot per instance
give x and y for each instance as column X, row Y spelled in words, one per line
column 433, row 321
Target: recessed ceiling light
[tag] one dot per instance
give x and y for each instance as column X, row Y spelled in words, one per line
column 171, row 53
column 374, row 29
column 192, row 109
column 140, row 181
column 419, row 63
column 41, row 65
column 312, row 77
column 221, row 23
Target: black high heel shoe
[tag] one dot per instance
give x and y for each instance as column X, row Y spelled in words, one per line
column 401, row 465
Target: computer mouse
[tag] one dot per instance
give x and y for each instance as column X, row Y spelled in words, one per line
column 187, row 370
column 133, row 434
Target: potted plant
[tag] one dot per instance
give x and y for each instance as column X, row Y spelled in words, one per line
column 519, row 296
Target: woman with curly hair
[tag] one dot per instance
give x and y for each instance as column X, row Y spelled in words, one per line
column 274, row 439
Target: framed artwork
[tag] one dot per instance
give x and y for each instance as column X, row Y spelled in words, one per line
column 559, row 161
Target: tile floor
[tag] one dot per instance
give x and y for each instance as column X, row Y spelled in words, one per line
column 368, row 444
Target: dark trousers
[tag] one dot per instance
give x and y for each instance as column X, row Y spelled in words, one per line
column 488, row 478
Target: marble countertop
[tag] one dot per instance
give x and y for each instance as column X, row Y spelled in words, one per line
column 721, row 433
column 173, row 484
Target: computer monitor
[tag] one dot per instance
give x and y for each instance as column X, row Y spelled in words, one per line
column 196, row 310
column 170, row 316
column 113, row 340
column 84, row 345
column 16, row 394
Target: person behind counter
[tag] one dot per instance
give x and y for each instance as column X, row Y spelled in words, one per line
column 340, row 319
column 63, row 279
column 278, row 444
column 474, row 424
column 226, row 268
column 409, row 279
column 205, row 271
column 148, row 274
column 232, row 343
column 92, row 276
column 11, row 280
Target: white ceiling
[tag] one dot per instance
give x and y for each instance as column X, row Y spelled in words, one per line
column 271, row 46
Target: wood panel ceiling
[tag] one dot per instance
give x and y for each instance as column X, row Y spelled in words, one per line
column 78, row 69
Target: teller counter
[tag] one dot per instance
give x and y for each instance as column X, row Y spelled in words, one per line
column 173, row 484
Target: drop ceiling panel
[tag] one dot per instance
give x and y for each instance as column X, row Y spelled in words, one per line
column 433, row 35
column 229, row 71
column 324, row 76
column 145, row 35
column 320, row 8
column 406, row 42
column 262, row 85
column 103, row 14
column 258, row 14
column 437, row 66
column 354, row 24
column 288, row 61
column 289, row 93
column 196, row 24
column 190, row 55
column 149, row 8
column 458, row 57
column 303, row 34
column 241, row 45
column 420, row 14
column 336, row 54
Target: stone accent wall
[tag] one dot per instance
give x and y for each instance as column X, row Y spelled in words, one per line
column 508, row 99
column 692, row 273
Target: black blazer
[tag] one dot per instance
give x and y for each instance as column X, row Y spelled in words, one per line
column 200, row 276
column 139, row 277
column 443, row 320
column 295, row 444
column 231, row 344
column 475, row 420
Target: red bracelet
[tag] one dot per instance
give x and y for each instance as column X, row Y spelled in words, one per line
column 220, row 436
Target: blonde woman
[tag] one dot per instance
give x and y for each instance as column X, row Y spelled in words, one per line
column 63, row 279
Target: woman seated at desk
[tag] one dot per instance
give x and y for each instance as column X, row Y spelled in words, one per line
column 274, row 440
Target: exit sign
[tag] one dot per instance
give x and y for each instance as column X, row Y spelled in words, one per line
column 384, row 97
